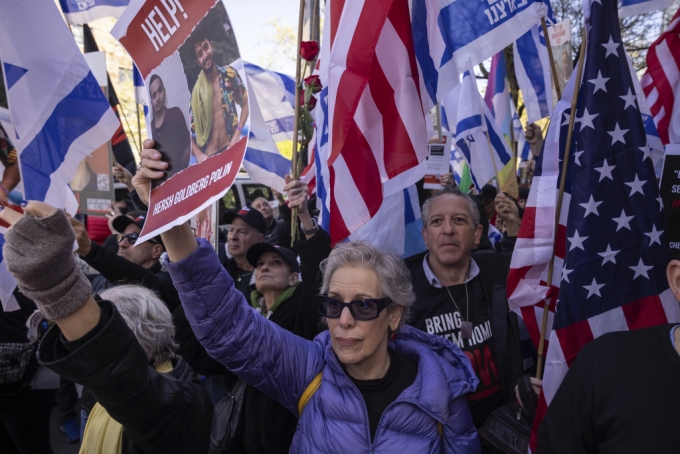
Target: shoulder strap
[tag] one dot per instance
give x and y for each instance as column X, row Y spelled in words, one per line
column 309, row 392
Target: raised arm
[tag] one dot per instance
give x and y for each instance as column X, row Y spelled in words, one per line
column 115, row 268
column 98, row 350
column 262, row 353
column 313, row 249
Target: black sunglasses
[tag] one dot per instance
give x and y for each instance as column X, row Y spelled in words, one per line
column 131, row 237
column 364, row 309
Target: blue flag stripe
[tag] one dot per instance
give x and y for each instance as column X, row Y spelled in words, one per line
column 528, row 53
column 46, row 152
column 271, row 162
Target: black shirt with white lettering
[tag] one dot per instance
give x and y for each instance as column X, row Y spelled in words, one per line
column 434, row 312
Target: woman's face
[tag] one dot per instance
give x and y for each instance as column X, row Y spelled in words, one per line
column 357, row 342
column 273, row 273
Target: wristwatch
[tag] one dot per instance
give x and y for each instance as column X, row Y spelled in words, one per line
column 311, row 231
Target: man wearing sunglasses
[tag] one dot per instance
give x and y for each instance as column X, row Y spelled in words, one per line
column 138, row 265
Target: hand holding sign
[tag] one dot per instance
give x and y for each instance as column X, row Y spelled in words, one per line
column 150, row 168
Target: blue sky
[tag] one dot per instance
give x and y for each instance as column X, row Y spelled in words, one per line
column 249, row 19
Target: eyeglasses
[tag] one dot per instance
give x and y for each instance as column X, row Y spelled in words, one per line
column 131, row 237
column 364, row 309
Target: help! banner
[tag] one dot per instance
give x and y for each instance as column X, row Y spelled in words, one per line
column 196, row 85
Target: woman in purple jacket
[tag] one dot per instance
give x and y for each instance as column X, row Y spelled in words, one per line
column 368, row 384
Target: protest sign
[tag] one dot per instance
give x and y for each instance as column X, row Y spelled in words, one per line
column 560, row 42
column 438, row 161
column 187, row 55
column 670, row 195
column 93, row 182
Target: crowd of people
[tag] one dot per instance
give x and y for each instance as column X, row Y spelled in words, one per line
column 269, row 345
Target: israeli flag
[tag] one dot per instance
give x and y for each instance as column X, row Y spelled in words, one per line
column 451, row 36
column 79, row 12
column 495, row 236
column 59, row 111
column 532, row 69
column 140, row 90
column 497, row 96
column 476, row 129
column 272, row 97
column 635, row 7
column 523, row 147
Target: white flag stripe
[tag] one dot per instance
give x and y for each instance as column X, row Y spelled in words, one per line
column 338, row 55
column 349, row 200
column 670, row 67
column 369, row 120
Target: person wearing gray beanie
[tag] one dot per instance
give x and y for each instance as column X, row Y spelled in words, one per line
column 39, row 253
column 153, row 396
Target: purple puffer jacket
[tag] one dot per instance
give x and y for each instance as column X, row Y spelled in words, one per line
column 282, row 365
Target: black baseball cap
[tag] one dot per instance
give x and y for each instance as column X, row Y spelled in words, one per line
column 121, row 223
column 257, row 250
column 488, row 193
column 250, row 216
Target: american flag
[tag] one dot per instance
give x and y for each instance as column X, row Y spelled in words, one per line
column 611, row 251
column 661, row 83
column 370, row 118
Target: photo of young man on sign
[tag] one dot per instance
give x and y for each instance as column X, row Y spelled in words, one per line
column 219, row 98
column 187, row 54
column 169, row 129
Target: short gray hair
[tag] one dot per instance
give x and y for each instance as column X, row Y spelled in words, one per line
column 148, row 318
column 394, row 278
column 474, row 209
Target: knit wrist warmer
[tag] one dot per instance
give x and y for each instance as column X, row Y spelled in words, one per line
column 39, row 253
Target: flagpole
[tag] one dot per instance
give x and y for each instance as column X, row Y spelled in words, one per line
column 553, row 67
column 296, row 120
column 560, row 196
column 139, row 127
column 438, row 110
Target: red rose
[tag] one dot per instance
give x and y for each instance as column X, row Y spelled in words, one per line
column 311, row 105
column 313, row 83
column 309, row 50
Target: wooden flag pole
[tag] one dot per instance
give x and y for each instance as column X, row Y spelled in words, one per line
column 139, row 127
column 553, row 68
column 560, row 196
column 296, row 121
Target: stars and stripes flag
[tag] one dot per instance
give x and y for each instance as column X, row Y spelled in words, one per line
column 661, row 83
column 371, row 132
column 610, row 255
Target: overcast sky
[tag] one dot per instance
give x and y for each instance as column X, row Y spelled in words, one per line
column 249, row 18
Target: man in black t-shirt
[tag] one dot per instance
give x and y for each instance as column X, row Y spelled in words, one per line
column 169, row 130
column 622, row 392
column 461, row 296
